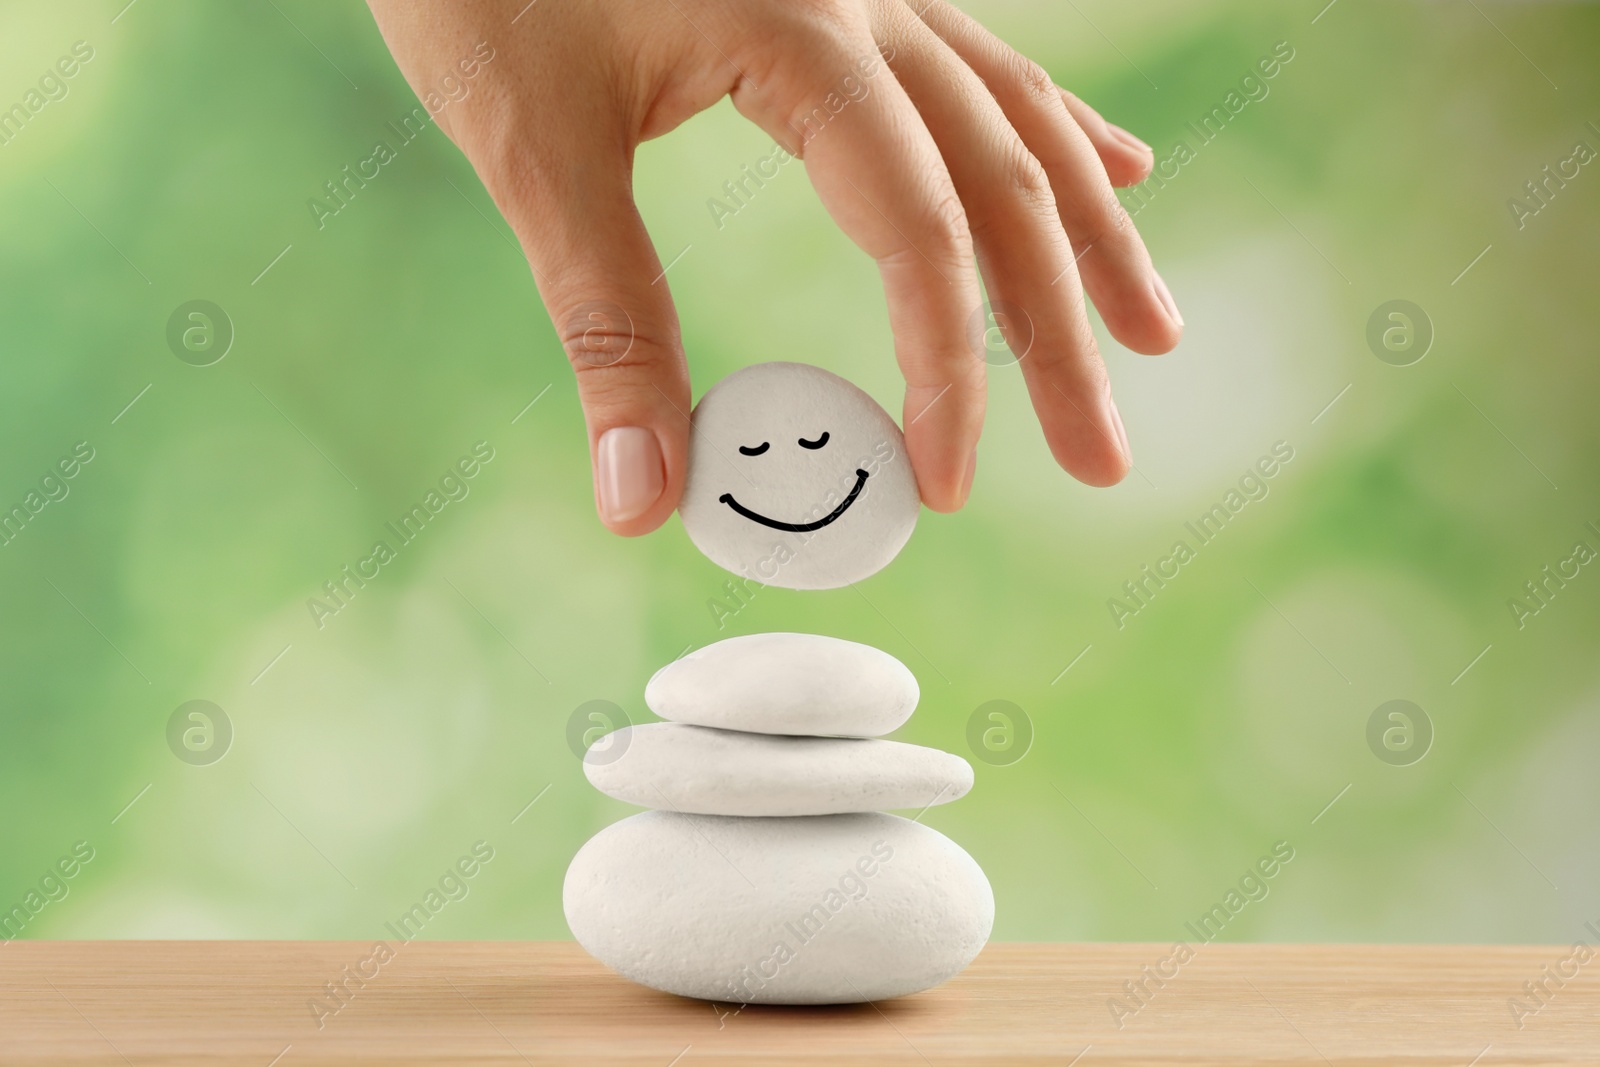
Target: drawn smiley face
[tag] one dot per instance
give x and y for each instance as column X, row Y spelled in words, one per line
column 797, row 479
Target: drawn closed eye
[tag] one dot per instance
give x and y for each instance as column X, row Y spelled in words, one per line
column 818, row 443
column 756, row 451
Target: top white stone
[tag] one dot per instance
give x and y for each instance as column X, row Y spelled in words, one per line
column 797, row 478
column 786, row 683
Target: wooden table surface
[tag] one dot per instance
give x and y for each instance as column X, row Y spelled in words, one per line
column 193, row 1002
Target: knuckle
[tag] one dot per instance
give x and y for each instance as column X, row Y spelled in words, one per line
column 1105, row 222
column 823, row 27
column 833, row 14
column 596, row 333
column 1035, row 83
column 640, row 381
column 599, row 335
column 1067, row 360
column 622, row 364
column 1115, row 224
column 937, row 235
column 1029, row 198
column 1026, row 177
column 947, row 225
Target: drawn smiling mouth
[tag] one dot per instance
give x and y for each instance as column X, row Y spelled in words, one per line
column 798, row 527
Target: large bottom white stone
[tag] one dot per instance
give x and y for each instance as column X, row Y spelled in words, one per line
column 820, row 909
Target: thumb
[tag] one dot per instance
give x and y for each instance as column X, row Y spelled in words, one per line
column 604, row 287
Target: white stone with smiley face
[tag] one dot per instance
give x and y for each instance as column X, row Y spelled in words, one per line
column 797, row 479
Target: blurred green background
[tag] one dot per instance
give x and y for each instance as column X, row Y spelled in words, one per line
column 1226, row 715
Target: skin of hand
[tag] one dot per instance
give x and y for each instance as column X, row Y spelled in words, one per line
column 960, row 148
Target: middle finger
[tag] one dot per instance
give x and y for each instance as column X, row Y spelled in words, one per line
column 1022, row 250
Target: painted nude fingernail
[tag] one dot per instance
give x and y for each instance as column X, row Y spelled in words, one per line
column 1129, row 139
column 628, row 472
column 1121, row 431
column 1165, row 296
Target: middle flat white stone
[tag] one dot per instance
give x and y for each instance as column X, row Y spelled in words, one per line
column 674, row 766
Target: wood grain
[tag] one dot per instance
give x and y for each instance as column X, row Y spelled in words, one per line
column 197, row 1002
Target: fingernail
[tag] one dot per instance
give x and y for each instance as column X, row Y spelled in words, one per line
column 1116, row 424
column 1129, row 139
column 1165, row 296
column 628, row 472
column 966, row 481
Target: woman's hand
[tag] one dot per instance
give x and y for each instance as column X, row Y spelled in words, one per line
column 958, row 144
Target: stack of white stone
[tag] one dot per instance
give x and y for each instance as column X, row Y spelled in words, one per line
column 769, row 870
